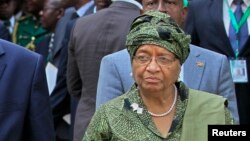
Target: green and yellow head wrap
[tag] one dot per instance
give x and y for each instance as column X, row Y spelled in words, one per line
column 154, row 27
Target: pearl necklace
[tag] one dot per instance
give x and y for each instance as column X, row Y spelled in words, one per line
column 170, row 109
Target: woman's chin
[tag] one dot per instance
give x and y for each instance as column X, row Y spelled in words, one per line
column 152, row 87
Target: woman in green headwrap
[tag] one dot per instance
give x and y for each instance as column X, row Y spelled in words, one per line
column 158, row 106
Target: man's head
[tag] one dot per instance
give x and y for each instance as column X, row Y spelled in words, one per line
column 174, row 8
column 7, row 9
column 52, row 11
column 33, row 6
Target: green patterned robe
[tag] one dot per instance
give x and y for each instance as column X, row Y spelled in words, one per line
column 116, row 120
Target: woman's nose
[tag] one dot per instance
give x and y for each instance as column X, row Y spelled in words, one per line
column 153, row 66
column 162, row 7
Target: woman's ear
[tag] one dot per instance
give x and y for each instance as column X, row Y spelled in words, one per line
column 178, row 73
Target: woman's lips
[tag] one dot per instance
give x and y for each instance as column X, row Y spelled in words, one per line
column 152, row 79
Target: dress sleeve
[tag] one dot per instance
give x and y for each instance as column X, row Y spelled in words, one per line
column 98, row 129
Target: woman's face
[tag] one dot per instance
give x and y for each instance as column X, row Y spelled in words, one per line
column 155, row 68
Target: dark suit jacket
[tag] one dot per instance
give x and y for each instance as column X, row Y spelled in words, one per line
column 42, row 47
column 25, row 113
column 205, row 24
column 93, row 37
column 59, row 98
column 4, row 32
column 60, row 33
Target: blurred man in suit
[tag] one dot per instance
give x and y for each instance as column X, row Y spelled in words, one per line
column 59, row 53
column 93, row 37
column 115, row 71
column 216, row 33
column 52, row 11
column 25, row 108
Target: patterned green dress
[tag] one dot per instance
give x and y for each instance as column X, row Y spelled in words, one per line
column 117, row 121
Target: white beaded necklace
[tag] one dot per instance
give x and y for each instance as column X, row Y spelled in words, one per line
column 170, row 109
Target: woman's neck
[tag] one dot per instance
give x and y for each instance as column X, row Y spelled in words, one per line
column 159, row 102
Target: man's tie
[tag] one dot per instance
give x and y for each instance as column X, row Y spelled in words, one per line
column 243, row 31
